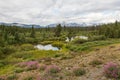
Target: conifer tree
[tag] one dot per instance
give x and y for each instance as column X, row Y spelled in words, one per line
column 58, row 30
column 32, row 32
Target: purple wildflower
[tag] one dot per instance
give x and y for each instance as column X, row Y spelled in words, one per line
column 29, row 65
column 111, row 70
column 52, row 69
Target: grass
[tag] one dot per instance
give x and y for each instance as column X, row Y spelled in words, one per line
column 90, row 45
column 7, row 69
column 28, row 55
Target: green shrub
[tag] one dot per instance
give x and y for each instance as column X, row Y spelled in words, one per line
column 52, row 69
column 19, row 70
column 12, row 77
column 58, row 55
column 100, row 37
column 8, row 50
column 96, row 62
column 57, row 44
column 1, row 64
column 1, row 53
column 31, row 40
column 79, row 41
column 46, row 42
column 27, row 47
column 24, row 55
column 29, row 78
column 78, row 71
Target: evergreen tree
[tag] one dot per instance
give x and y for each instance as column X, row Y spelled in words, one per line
column 58, row 30
column 70, row 34
column 32, row 32
column 17, row 38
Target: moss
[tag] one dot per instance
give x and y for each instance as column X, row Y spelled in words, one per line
column 6, row 69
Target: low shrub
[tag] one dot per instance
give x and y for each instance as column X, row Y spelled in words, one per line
column 57, row 44
column 100, row 37
column 19, row 70
column 12, row 77
column 1, row 64
column 24, row 55
column 29, row 78
column 78, row 71
column 27, row 47
column 95, row 62
column 58, row 55
column 8, row 50
column 52, row 69
column 112, row 70
column 42, row 67
column 79, row 41
column 30, row 65
column 46, row 42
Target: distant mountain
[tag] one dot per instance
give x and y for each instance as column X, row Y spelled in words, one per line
column 21, row 25
column 73, row 24
column 50, row 25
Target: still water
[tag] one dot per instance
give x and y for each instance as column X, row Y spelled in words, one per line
column 46, row 47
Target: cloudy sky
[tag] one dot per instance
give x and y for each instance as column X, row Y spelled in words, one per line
column 45, row 12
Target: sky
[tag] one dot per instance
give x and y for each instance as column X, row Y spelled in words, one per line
column 44, row 12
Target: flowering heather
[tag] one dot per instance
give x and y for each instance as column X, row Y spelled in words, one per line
column 30, row 65
column 111, row 70
column 52, row 69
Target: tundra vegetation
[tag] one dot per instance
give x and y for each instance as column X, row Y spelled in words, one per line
column 76, row 58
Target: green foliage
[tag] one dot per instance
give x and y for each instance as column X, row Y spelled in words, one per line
column 23, row 55
column 96, row 62
column 110, row 30
column 58, row 44
column 79, row 41
column 7, row 50
column 99, row 37
column 27, row 47
column 46, row 42
column 89, row 45
column 32, row 32
column 18, row 70
column 29, row 78
column 12, row 77
column 79, row 71
column 58, row 30
column 1, row 65
column 31, row 40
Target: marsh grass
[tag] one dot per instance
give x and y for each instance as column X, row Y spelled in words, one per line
column 87, row 46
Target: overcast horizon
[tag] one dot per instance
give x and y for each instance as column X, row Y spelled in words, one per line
column 44, row 12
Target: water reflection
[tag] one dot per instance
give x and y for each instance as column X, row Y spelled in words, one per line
column 46, row 47
column 79, row 37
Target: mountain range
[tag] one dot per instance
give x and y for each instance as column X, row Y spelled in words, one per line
column 50, row 25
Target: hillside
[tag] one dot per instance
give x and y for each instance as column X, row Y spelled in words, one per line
column 87, row 60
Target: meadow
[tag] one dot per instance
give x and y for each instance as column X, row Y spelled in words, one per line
column 76, row 58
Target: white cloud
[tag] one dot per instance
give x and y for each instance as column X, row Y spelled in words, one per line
column 44, row 12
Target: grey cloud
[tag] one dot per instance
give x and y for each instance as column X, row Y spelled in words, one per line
column 44, row 12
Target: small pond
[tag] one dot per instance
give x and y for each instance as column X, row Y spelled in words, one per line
column 46, row 47
column 80, row 37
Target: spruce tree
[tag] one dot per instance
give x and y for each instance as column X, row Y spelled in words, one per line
column 32, row 32
column 58, row 30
